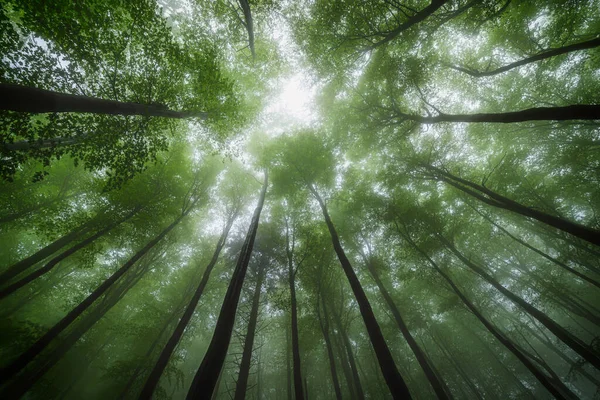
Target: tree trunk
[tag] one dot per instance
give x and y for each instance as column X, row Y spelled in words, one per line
column 324, row 324
column 574, row 343
column 541, row 253
column 248, row 24
column 52, row 263
column 288, row 369
column 415, row 19
column 242, row 381
column 44, row 253
column 439, row 387
column 347, row 347
column 545, row 380
column 564, row 113
column 206, row 377
column 34, row 100
column 35, row 349
column 494, row 199
column 590, row 44
column 394, row 380
column 165, row 355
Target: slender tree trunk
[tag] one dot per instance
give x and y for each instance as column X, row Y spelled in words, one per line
column 165, row 355
column 590, row 44
column 324, row 324
column 288, row 370
column 545, row 380
column 347, row 346
column 52, row 263
column 34, row 100
column 248, row 24
column 206, row 377
column 574, row 343
column 541, row 253
column 35, row 349
column 44, row 253
column 494, row 199
column 25, row 381
column 242, row 381
column 394, row 380
column 570, row 112
column 438, row 385
column 346, row 365
column 415, row 19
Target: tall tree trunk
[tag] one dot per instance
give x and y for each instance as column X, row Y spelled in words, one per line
column 570, row 112
column 52, row 263
column 35, row 349
column 541, row 253
column 206, row 377
column 242, row 381
column 415, row 19
column 589, row 44
column 288, row 370
column 33, row 100
column 394, row 380
column 438, row 385
column 44, row 253
column 165, row 355
column 347, row 346
column 574, row 343
column 297, row 369
column 494, row 199
column 324, row 324
column 544, row 379
column 248, row 24
column 25, row 381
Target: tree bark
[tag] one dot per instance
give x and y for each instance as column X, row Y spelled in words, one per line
column 545, row 380
column 415, row 19
column 324, row 324
column 165, row 355
column 44, row 253
column 206, row 377
column 565, row 336
column 288, row 369
column 33, row 100
column 570, row 112
column 539, row 252
column 394, row 380
column 347, row 347
column 242, row 381
column 18, row 364
column 248, row 24
column 52, row 263
column 590, row 44
column 494, row 199
column 438, row 385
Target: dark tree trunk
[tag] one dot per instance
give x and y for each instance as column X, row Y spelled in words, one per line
column 34, row 100
column 541, row 253
column 52, row 263
column 590, row 44
column 248, row 24
column 347, row 347
column 394, row 380
column 544, row 379
column 242, row 381
column 206, row 377
column 567, row 338
column 167, row 351
column 297, row 369
column 25, row 381
column 288, row 365
column 439, row 387
column 324, row 324
column 35, row 349
column 415, row 19
column 44, row 253
column 570, row 112
column 494, row 199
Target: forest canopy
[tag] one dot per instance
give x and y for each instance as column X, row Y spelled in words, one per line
column 312, row 199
